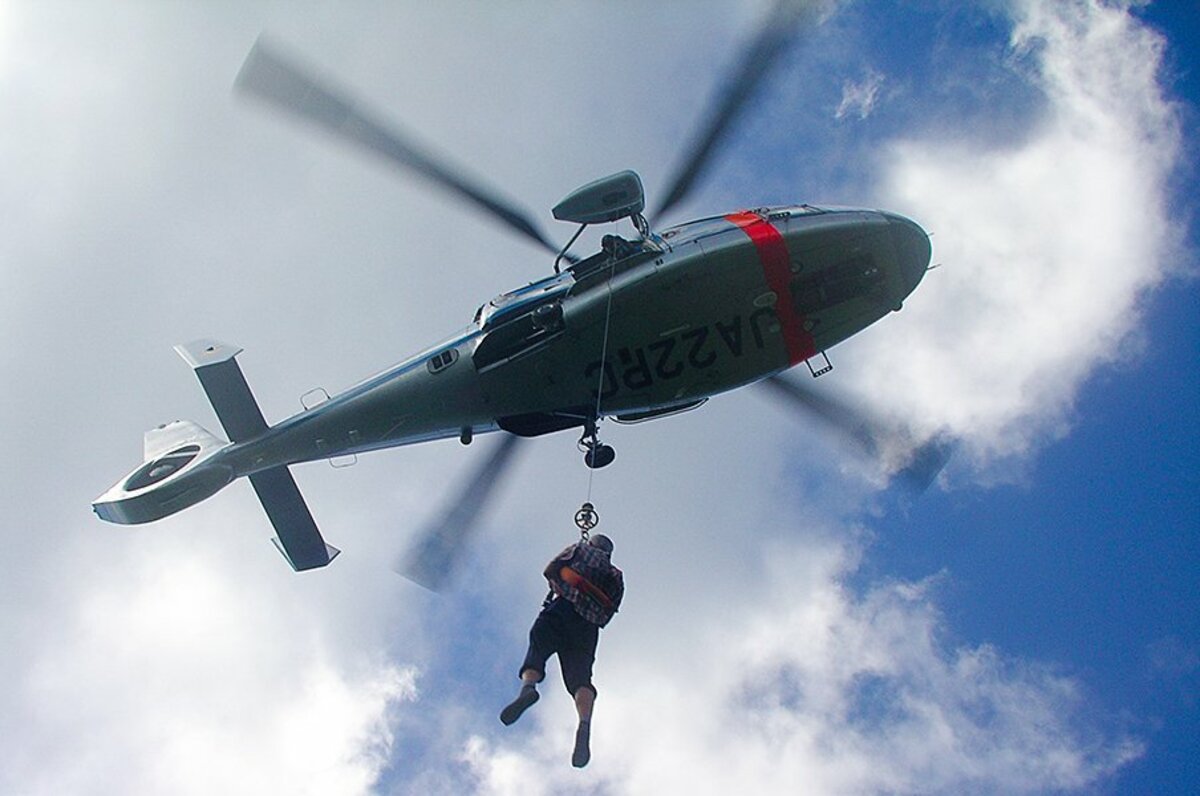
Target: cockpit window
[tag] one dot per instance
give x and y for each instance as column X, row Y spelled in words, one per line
column 616, row 255
column 519, row 333
column 509, row 305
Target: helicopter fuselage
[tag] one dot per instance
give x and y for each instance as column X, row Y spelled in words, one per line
column 703, row 308
column 640, row 329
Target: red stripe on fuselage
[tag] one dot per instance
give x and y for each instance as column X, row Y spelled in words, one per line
column 776, row 265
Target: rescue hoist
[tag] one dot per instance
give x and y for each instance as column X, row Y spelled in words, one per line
column 586, row 519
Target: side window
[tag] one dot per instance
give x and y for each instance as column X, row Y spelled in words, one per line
column 443, row 360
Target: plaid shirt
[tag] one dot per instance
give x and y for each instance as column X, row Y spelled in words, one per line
column 593, row 566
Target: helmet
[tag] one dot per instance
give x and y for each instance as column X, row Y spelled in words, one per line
column 601, row 541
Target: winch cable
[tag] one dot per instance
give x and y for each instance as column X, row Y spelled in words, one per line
column 587, row 511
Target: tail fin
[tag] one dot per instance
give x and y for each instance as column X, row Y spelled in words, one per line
column 181, row 466
column 221, row 377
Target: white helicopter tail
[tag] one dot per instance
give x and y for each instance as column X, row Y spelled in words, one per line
column 182, row 466
column 178, row 470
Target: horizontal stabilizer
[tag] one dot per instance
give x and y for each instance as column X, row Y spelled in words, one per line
column 226, row 387
column 298, row 538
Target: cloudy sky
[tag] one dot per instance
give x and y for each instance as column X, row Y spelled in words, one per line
column 1029, row 624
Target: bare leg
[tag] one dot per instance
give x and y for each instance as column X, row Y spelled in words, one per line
column 584, row 699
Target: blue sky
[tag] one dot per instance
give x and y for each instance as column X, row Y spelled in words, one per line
column 1027, row 625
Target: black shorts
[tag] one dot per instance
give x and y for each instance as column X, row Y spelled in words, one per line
column 559, row 629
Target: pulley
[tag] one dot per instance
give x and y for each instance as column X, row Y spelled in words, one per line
column 586, row 519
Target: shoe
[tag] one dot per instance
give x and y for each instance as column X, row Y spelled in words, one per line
column 582, row 754
column 513, row 711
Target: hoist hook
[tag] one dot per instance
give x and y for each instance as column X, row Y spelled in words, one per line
column 595, row 453
column 586, row 519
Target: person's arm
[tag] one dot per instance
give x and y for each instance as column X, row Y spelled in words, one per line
column 618, row 588
column 552, row 569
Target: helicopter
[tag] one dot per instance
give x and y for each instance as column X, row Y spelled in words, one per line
column 651, row 325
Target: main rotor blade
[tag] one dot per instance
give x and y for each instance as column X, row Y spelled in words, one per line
column 272, row 78
column 870, row 435
column 431, row 559
column 776, row 31
column 839, row 416
column 925, row 463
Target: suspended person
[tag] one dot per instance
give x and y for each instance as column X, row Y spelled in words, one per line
column 585, row 592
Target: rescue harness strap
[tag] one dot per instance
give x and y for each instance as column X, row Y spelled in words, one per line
column 573, row 578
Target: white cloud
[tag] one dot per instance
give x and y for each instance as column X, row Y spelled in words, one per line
column 181, row 679
column 1048, row 245
column 827, row 692
column 859, row 97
